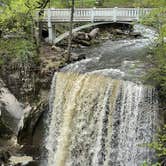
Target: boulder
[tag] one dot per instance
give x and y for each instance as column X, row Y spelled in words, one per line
column 11, row 112
column 76, row 57
column 118, row 32
column 57, row 49
column 82, row 42
column 33, row 163
column 19, row 160
column 135, row 34
column 29, row 134
column 4, row 157
column 81, row 36
column 46, row 40
column 30, row 150
column 5, row 131
column 93, row 34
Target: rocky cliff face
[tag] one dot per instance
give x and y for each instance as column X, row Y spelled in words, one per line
column 11, row 112
column 21, row 127
column 21, row 122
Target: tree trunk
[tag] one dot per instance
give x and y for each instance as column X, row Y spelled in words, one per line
column 70, row 32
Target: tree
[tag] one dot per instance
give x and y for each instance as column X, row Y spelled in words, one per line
column 99, row 2
column 18, row 15
column 150, row 3
column 157, row 73
column 70, row 31
column 157, row 76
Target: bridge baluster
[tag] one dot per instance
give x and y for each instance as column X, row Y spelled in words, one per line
column 115, row 14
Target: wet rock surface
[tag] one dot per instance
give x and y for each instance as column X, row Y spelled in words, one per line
column 32, row 119
column 4, row 156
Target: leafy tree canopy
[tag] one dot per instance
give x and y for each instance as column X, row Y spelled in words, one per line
column 17, row 14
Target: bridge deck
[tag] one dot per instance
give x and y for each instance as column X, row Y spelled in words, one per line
column 95, row 14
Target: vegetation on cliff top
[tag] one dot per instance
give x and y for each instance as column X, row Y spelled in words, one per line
column 93, row 3
column 157, row 76
column 157, row 73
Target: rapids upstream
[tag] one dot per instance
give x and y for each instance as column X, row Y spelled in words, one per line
column 100, row 113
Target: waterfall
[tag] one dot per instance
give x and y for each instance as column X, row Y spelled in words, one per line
column 99, row 121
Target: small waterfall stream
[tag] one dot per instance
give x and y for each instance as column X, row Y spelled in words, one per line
column 99, row 118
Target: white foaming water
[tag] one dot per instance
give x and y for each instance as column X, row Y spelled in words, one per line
column 96, row 121
column 147, row 32
column 115, row 73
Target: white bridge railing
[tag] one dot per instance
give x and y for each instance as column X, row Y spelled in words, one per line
column 95, row 14
column 52, row 15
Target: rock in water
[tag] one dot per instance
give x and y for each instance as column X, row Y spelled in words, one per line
column 93, row 34
column 76, row 57
column 80, row 35
column 135, row 34
column 118, row 32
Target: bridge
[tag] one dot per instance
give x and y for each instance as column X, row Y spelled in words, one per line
column 53, row 16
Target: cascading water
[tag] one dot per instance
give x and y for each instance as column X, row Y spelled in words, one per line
column 96, row 120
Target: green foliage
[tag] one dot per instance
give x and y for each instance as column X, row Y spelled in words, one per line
column 17, row 50
column 156, row 19
column 16, row 21
column 160, row 148
column 159, row 145
column 157, row 74
column 150, row 164
column 66, row 3
column 17, row 15
column 119, row 3
column 150, row 3
column 13, row 16
column 92, row 3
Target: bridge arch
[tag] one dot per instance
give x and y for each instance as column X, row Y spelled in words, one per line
column 97, row 16
column 86, row 26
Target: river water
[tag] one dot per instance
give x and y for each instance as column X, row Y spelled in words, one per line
column 100, row 112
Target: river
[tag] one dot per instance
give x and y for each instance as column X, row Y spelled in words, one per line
column 100, row 112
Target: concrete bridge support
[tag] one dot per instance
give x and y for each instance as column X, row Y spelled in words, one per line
column 51, row 28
